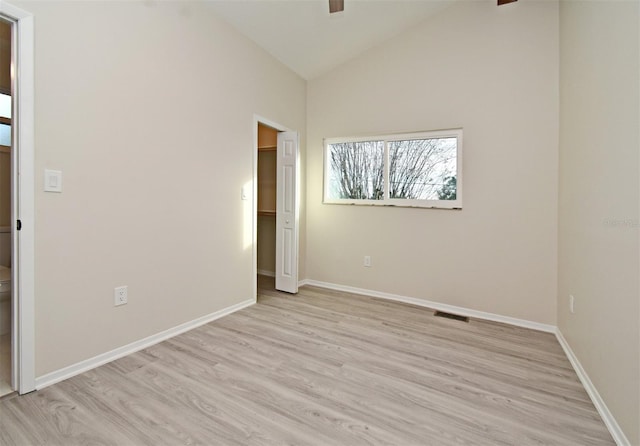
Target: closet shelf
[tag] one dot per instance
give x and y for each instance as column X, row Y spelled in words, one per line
column 266, row 212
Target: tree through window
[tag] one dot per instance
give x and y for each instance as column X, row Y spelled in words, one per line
column 421, row 169
column 357, row 170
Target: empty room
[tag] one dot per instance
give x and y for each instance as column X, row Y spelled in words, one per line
column 320, row 222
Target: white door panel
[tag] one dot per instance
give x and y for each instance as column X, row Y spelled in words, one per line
column 287, row 213
column 286, row 248
column 288, row 203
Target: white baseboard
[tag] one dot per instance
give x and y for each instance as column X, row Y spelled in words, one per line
column 611, row 423
column 96, row 361
column 264, row 272
column 435, row 306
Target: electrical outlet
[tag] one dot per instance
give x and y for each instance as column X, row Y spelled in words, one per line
column 572, row 301
column 367, row 261
column 120, row 295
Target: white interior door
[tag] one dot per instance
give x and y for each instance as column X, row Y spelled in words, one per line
column 287, row 213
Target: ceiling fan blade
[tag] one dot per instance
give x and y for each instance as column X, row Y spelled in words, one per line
column 336, row 6
column 504, row 2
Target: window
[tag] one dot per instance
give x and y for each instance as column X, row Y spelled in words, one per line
column 411, row 170
column 5, row 106
column 5, row 120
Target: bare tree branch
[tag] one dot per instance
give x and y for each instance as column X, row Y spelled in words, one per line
column 421, row 169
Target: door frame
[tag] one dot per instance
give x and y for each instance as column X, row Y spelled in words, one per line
column 22, row 199
column 257, row 119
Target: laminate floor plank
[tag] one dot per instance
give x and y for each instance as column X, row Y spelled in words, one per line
column 275, row 400
column 448, row 345
column 151, row 417
column 16, row 418
column 436, row 335
column 500, row 393
column 346, row 348
column 321, row 368
column 330, row 386
column 479, row 332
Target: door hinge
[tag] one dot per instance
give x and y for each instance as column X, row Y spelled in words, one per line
column 18, row 225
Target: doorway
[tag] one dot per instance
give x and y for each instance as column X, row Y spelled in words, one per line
column 20, row 228
column 267, row 182
column 6, row 155
column 276, row 205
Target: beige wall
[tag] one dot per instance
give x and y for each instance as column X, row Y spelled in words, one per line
column 153, row 128
column 494, row 72
column 599, row 199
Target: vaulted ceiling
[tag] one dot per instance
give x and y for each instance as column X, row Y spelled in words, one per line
column 305, row 37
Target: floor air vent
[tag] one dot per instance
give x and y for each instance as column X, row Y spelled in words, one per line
column 451, row 316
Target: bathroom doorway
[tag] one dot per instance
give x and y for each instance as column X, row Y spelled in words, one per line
column 6, row 157
column 22, row 179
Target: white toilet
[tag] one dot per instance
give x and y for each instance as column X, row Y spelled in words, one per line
column 5, row 283
column 5, row 280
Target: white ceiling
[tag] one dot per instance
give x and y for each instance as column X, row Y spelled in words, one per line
column 305, row 37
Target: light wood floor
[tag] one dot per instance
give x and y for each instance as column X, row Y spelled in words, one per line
column 321, row 368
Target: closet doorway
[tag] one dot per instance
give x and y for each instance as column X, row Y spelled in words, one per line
column 276, row 204
column 267, row 189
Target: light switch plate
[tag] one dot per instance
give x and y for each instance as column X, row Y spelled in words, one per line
column 52, row 180
column 246, row 192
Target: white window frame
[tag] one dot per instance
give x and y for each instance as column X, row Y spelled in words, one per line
column 398, row 202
